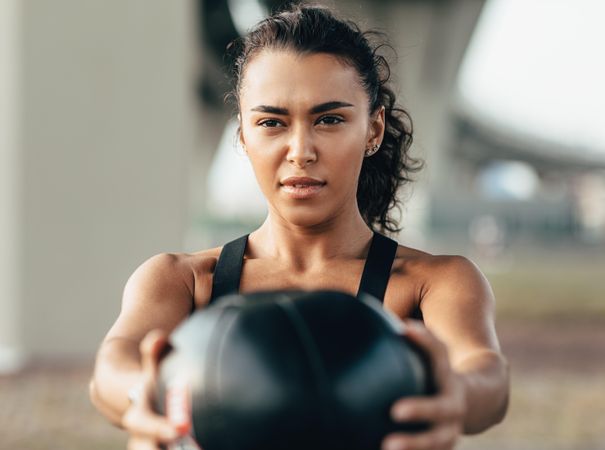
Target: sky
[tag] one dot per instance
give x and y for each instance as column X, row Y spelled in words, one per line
column 536, row 68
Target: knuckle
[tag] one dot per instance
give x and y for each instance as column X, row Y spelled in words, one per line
column 443, row 408
column 454, row 407
column 131, row 421
column 145, row 344
column 451, row 410
column 459, row 410
column 132, row 444
column 445, row 438
column 127, row 419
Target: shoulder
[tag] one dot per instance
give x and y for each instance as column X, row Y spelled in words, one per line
column 453, row 276
column 161, row 291
column 173, row 272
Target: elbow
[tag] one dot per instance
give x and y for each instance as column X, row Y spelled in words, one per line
column 505, row 396
column 493, row 410
column 95, row 398
column 504, row 401
column 497, row 416
column 93, row 395
column 101, row 406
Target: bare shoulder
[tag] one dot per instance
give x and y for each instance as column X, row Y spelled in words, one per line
column 161, row 292
column 173, row 270
column 455, row 275
column 456, row 300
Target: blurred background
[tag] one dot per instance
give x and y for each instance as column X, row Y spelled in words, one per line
column 115, row 144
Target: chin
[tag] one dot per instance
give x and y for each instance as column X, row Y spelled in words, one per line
column 305, row 216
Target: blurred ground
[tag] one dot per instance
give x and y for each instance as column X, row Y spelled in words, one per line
column 551, row 324
column 558, row 389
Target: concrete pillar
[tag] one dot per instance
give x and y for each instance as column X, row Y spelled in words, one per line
column 430, row 39
column 11, row 347
column 95, row 166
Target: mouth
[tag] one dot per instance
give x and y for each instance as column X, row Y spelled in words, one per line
column 302, row 187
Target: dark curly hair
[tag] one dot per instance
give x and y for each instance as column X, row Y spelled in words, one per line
column 315, row 29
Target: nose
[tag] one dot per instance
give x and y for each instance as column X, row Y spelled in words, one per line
column 301, row 149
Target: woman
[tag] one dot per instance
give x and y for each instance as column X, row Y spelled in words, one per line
column 329, row 149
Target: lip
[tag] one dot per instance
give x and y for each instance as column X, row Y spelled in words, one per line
column 304, row 181
column 301, row 188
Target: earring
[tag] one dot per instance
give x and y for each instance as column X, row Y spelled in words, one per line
column 371, row 151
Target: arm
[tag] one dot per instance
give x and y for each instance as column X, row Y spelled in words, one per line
column 471, row 373
column 459, row 310
column 157, row 297
column 485, row 380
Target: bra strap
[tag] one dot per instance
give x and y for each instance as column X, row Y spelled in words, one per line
column 377, row 269
column 374, row 280
column 228, row 270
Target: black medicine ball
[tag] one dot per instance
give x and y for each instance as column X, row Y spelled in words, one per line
column 290, row 371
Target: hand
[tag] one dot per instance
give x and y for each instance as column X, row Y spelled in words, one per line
column 445, row 411
column 147, row 429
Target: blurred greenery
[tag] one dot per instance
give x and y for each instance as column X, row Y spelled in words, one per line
column 547, row 292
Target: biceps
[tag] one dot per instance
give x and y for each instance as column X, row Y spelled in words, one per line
column 460, row 312
column 154, row 297
column 465, row 334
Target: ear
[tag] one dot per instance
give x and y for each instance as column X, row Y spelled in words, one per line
column 376, row 128
column 240, row 133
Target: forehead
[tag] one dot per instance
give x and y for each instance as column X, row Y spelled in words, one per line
column 287, row 78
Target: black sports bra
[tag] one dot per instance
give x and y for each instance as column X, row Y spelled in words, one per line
column 374, row 280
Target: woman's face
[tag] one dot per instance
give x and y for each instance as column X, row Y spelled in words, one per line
column 305, row 124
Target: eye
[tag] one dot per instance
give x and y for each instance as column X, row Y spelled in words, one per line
column 270, row 123
column 329, row 120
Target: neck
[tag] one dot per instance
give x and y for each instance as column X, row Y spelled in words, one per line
column 302, row 248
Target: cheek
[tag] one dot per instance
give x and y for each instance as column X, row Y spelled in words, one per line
column 261, row 155
column 344, row 157
column 266, row 169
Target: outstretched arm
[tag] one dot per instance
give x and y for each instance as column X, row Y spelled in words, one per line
column 471, row 373
column 156, row 299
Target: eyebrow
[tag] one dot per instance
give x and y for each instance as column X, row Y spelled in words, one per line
column 323, row 107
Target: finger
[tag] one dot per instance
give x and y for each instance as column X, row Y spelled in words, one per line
column 143, row 424
column 430, row 409
column 440, row 438
column 151, row 347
